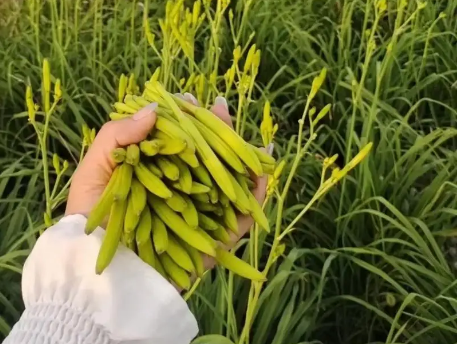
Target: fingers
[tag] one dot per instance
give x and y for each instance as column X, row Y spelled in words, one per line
column 220, row 109
column 116, row 134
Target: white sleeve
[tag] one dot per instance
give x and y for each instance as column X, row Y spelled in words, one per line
column 66, row 302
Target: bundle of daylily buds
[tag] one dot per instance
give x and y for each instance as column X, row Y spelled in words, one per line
column 176, row 195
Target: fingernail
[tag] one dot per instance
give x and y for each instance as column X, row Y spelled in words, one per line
column 221, row 101
column 270, row 148
column 190, row 98
column 180, row 96
column 144, row 112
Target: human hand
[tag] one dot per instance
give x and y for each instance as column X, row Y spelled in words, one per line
column 94, row 172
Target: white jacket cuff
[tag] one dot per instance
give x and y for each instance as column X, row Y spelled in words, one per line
column 49, row 323
column 129, row 301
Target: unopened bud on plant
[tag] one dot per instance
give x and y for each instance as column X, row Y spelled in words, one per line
column 278, row 252
column 131, row 85
column 57, row 90
column 312, row 111
column 46, row 85
column 189, row 22
column 278, row 170
column 151, row 38
column 122, row 87
column 442, row 15
column 244, row 84
column 230, row 76
column 155, row 75
column 266, row 126
column 360, row 156
column 317, row 83
column 256, row 62
column 421, row 5
column 86, row 134
column 231, row 15
column 93, row 133
column 46, row 76
column 189, row 82
column 56, row 163
column 29, row 102
column 382, row 6
column 249, row 58
column 213, row 78
column 236, row 54
column 65, row 166
column 390, row 300
column 322, row 113
column 200, row 86
column 196, row 12
column 332, row 159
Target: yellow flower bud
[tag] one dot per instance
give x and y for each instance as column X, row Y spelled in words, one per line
column 322, row 113
column 196, row 12
column 230, row 76
column 237, row 54
column 155, row 75
column 255, row 63
column 29, row 102
column 150, row 37
column 213, row 78
column 86, row 134
column 93, row 133
column 249, row 58
column 131, row 87
column 360, row 156
column 200, row 86
column 312, row 111
column 122, row 87
column 279, row 251
column 46, row 85
column 421, row 5
column 381, row 6
column 317, row 83
column 275, row 129
column 189, row 82
column 244, row 84
column 56, row 163
column 278, row 170
column 332, row 159
column 65, row 166
column 57, row 90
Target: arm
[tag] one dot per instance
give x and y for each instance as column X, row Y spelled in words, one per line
column 66, row 302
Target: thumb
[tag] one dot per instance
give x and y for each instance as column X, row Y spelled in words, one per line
column 116, row 134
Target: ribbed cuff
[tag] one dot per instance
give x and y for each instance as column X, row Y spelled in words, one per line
column 56, row 324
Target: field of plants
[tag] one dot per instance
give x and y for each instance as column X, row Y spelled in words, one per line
column 362, row 246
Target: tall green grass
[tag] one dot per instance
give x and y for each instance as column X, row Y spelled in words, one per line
column 372, row 262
